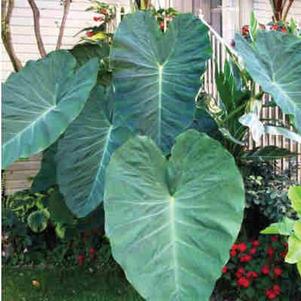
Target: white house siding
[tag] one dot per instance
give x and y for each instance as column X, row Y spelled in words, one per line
column 51, row 13
column 263, row 11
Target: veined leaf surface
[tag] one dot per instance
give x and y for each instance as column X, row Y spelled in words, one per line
column 40, row 102
column 157, row 75
column 274, row 62
column 84, row 152
column 172, row 222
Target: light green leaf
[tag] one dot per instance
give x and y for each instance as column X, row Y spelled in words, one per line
column 284, row 227
column 40, row 102
column 274, row 62
column 157, row 75
column 172, row 222
column 253, row 26
column 84, row 152
column 37, row 221
column 294, row 195
column 294, row 250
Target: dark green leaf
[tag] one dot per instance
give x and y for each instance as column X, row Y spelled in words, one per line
column 157, row 75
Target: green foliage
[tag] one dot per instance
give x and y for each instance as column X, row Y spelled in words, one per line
column 46, row 176
column 171, row 207
column 89, row 142
column 257, row 270
column 37, row 106
column 84, row 52
column 160, row 72
column 38, row 220
column 166, row 199
column 253, row 26
column 267, row 190
column 274, row 62
column 291, row 228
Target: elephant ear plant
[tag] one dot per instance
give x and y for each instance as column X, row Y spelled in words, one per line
column 173, row 197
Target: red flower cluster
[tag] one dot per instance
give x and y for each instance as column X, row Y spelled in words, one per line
column 257, row 262
column 273, row 292
column 80, row 259
column 277, row 27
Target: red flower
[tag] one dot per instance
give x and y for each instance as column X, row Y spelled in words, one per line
column 242, row 247
column 277, row 289
column 89, row 34
column 240, row 272
column 277, row 272
column 162, row 26
column 233, row 253
column 80, row 259
column 270, row 251
column 245, row 258
column 253, row 251
column 265, row 270
column 243, row 282
column 245, row 30
column 252, row 275
column 283, row 29
column 224, row 270
column 256, row 243
column 283, row 254
column 271, row 294
column 274, row 27
column 97, row 19
column 92, row 252
column 274, row 238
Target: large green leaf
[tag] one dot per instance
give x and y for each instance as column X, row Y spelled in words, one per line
column 172, row 222
column 84, row 152
column 157, row 75
column 46, row 177
column 274, row 62
column 294, row 195
column 86, row 51
column 40, row 102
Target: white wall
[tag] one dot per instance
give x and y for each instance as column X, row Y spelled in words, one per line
column 51, row 13
column 263, row 10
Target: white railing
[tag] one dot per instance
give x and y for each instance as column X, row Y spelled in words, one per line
column 219, row 53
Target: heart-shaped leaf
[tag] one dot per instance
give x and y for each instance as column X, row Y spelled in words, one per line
column 84, row 152
column 40, row 102
column 157, row 75
column 274, row 62
column 172, row 222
